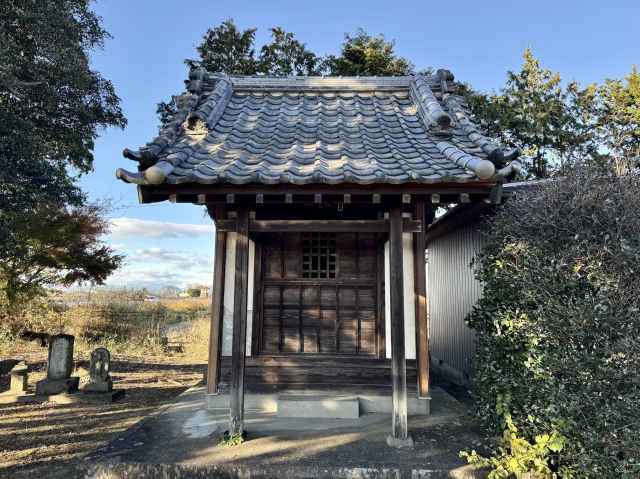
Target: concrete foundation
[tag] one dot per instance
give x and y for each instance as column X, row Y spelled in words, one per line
column 367, row 403
column 330, row 407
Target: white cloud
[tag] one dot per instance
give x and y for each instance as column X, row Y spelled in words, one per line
column 132, row 227
column 154, row 268
column 169, row 258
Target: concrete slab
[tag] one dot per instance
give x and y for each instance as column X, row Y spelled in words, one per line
column 185, row 437
column 328, row 407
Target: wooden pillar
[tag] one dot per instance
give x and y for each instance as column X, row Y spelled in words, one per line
column 398, row 361
column 217, row 292
column 422, row 325
column 236, row 412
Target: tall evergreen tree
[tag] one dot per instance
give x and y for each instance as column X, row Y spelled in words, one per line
column 228, row 49
column 286, row 56
column 619, row 119
column 550, row 122
column 367, row 55
column 52, row 105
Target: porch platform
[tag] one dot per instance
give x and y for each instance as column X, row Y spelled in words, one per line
column 182, row 439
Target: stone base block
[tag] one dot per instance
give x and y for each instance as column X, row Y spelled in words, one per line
column 101, row 397
column 98, row 387
column 56, row 386
column 374, row 404
column 252, row 402
column 400, row 443
column 323, row 407
column 12, row 398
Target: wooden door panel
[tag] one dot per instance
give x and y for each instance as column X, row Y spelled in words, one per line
column 306, row 312
column 271, row 339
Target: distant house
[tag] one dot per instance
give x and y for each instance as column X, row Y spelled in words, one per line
column 322, row 191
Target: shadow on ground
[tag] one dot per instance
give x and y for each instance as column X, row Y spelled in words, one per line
column 49, row 440
column 186, row 434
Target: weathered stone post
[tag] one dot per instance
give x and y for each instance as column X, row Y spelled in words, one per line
column 19, row 378
column 59, row 367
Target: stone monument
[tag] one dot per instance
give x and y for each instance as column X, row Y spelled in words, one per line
column 99, row 387
column 59, row 367
column 99, row 379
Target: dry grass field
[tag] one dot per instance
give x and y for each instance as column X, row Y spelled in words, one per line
column 49, row 440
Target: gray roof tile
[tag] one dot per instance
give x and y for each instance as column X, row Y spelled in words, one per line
column 243, row 130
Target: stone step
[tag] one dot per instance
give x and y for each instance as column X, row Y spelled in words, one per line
column 325, row 407
column 370, row 402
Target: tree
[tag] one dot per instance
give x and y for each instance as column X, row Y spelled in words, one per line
column 52, row 105
column 227, row 49
column 366, row 55
column 55, row 246
column 551, row 123
column 619, row 119
column 557, row 324
column 286, row 56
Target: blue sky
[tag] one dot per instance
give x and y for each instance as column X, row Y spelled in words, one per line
column 477, row 40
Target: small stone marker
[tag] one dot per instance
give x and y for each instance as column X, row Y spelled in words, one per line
column 59, row 367
column 19, row 378
column 100, row 386
column 99, row 380
column 19, row 388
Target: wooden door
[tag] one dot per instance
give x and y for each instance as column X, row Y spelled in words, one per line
column 320, row 294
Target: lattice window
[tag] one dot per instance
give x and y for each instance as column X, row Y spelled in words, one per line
column 319, row 255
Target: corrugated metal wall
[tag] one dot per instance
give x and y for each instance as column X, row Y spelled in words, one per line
column 452, row 290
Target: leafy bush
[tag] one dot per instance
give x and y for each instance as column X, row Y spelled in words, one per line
column 559, row 321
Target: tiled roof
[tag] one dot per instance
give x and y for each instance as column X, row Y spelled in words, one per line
column 240, row 130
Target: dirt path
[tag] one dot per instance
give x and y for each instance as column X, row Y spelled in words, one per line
column 50, row 440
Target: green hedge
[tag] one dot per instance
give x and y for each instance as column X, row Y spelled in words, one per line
column 559, row 324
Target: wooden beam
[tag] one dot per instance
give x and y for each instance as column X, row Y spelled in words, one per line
column 463, row 214
column 476, row 187
column 398, row 362
column 320, row 226
column 217, row 292
column 422, row 328
column 238, row 349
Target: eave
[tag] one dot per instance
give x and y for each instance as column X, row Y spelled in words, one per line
column 456, row 192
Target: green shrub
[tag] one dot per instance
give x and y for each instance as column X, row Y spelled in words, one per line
column 558, row 326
